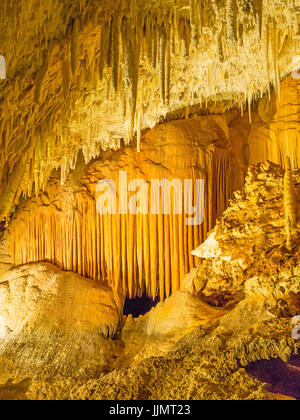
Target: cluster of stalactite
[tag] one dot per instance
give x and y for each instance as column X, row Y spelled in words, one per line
column 107, row 60
column 143, row 253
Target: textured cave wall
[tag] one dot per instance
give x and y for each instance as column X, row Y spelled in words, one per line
column 273, row 133
column 143, row 253
column 85, row 74
column 151, row 254
column 55, row 322
column 248, row 252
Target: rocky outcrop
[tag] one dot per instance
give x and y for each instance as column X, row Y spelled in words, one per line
column 55, row 322
column 181, row 312
column 250, row 242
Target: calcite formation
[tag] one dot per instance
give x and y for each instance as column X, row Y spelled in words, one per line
column 235, row 308
column 252, row 243
column 144, row 253
column 86, row 74
column 149, row 153
column 62, row 224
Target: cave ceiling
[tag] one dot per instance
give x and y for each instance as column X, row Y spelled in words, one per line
column 85, row 75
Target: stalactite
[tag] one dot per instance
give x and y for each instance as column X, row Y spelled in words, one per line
column 40, row 76
column 66, row 77
column 176, row 16
column 140, row 260
column 109, row 45
column 146, row 252
column 74, row 44
column 278, row 71
column 104, row 33
column 220, row 47
column 131, row 48
column 161, row 265
column 154, row 44
column 168, row 70
column 290, row 204
column 231, row 20
column 116, row 21
column 241, row 34
column 153, row 254
column 249, row 106
column 139, row 132
column 200, row 14
column 143, row 253
column 267, row 56
column 273, row 42
column 155, row 30
column 260, row 16
column 187, row 39
column 162, row 61
column 193, row 21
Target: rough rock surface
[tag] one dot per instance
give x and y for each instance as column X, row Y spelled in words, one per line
column 181, row 311
column 54, row 321
column 250, row 254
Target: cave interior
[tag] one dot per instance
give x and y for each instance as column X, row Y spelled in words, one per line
column 149, row 199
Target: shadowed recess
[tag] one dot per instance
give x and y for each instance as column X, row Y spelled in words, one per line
column 282, row 378
column 139, row 305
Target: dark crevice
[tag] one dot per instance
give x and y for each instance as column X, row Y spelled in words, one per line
column 281, row 377
column 139, row 305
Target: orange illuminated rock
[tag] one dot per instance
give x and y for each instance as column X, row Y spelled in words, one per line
column 146, row 252
column 255, row 245
column 55, row 320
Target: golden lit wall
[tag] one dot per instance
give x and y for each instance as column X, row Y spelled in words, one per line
column 84, row 74
column 143, row 253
